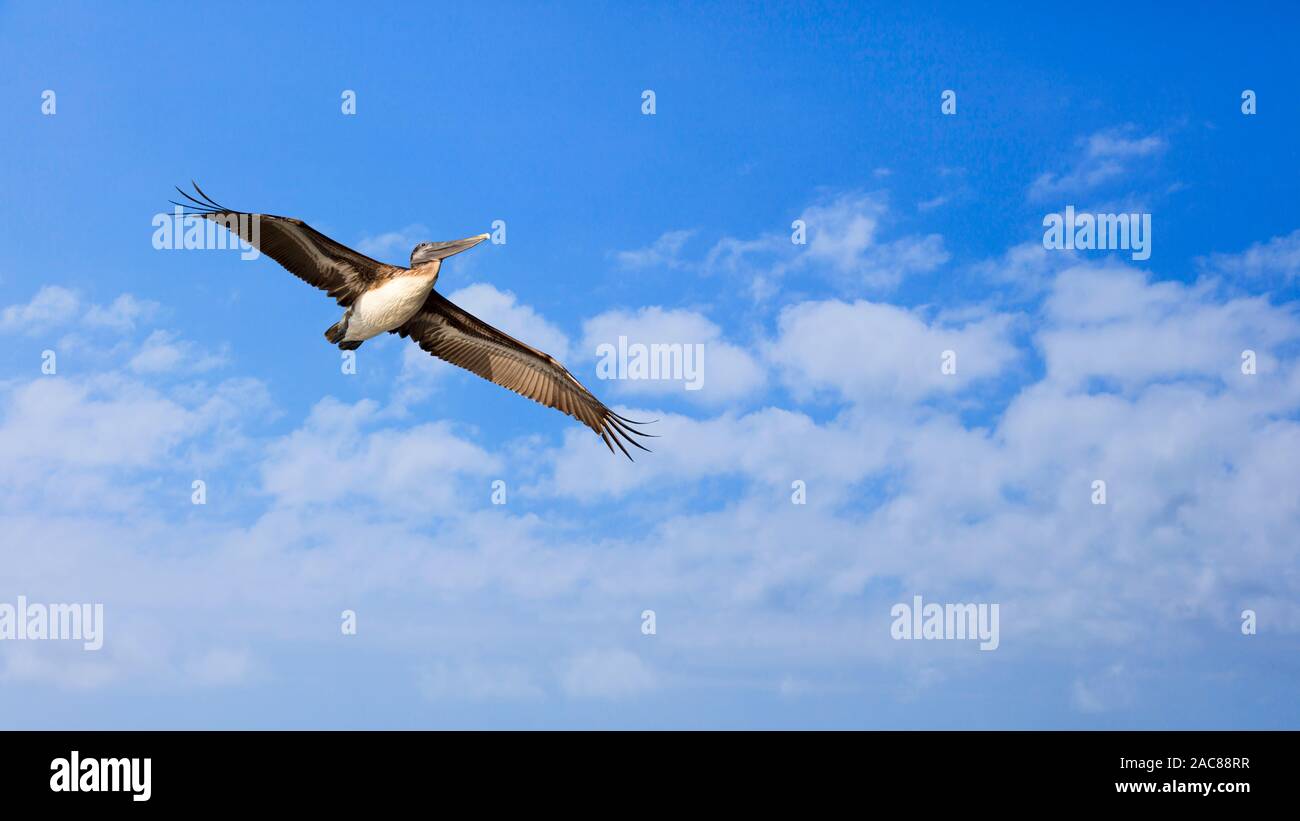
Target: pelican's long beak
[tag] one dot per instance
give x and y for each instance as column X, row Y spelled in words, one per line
column 456, row 246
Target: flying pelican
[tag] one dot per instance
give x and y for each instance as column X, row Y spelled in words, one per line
column 382, row 298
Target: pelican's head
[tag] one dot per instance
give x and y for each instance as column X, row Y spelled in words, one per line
column 427, row 252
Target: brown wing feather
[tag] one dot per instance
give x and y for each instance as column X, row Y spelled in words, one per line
column 452, row 334
column 303, row 251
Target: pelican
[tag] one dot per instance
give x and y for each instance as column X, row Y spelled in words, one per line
column 380, row 298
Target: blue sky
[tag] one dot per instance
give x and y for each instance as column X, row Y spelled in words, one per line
column 372, row 491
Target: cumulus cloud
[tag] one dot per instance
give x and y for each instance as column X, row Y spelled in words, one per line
column 723, row 371
column 1109, row 322
column 754, row 446
column 875, row 352
column 55, row 422
column 89, row 444
column 1004, row 509
column 1024, row 270
column 843, row 229
column 337, row 459
column 913, row 481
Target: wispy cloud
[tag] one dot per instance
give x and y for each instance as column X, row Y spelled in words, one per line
column 393, row 245
column 664, row 252
column 164, row 351
column 1279, row 256
column 841, row 243
column 466, row 680
column 606, row 674
column 1100, row 158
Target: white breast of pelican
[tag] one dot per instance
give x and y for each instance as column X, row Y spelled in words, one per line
column 387, row 306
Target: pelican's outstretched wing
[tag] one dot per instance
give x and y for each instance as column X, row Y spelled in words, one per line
column 305, row 252
column 453, row 334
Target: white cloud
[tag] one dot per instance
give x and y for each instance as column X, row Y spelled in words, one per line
column 1279, row 256
column 352, row 509
column 1098, row 159
column 162, row 352
column 122, row 314
column 841, row 230
column 753, row 446
column 1192, row 467
column 842, row 244
column 53, row 305
column 1028, row 268
column 873, row 352
column 761, row 263
column 336, row 458
column 728, row 372
column 394, row 245
column 1108, row 321
column 664, row 252
column 54, row 422
column 606, row 674
column 842, row 234
column 90, row 442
